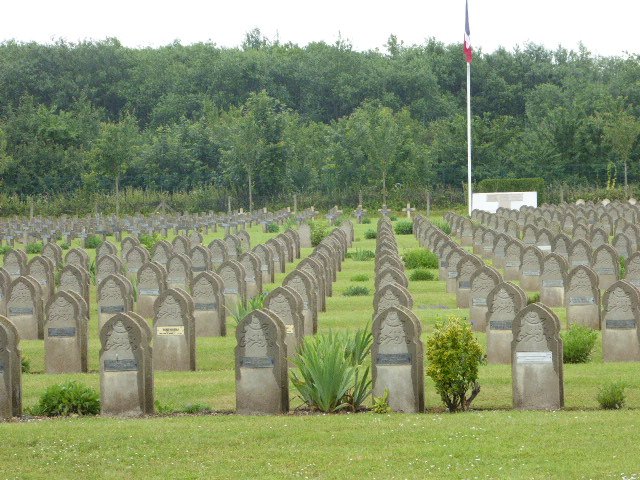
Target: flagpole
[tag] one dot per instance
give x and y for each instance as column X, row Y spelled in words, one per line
column 469, row 202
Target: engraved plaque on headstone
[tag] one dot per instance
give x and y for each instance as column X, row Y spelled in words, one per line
column 256, row 362
column 125, row 365
column 393, row 359
column 62, row 332
column 552, row 283
column 500, row 324
column 621, row 324
column 172, row 330
column 582, row 300
column 534, row 357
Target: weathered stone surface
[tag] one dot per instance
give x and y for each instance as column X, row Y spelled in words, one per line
column 397, row 359
column 115, row 295
column 482, row 282
column 210, row 312
column 10, row 371
column 66, row 333
column 552, row 280
column 503, row 303
column 582, row 297
column 174, row 336
column 620, row 323
column 536, row 360
column 25, row 308
column 606, row 265
column 287, row 304
column 302, row 283
column 262, row 383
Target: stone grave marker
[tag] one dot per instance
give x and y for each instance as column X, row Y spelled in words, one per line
column 10, row 371
column 606, row 265
column 218, row 253
column 503, row 303
column 25, row 308
column 552, row 280
column 302, row 283
column 209, row 308
column 179, row 272
column 397, row 359
column 78, row 258
column 512, row 260
column 262, row 383
column 467, row 266
column 265, row 255
column 174, row 336
column 65, row 335
column 287, row 305
column 253, row 274
column 126, row 370
column 233, row 274
column 536, row 359
column 15, row 263
column 620, row 319
column 582, row 297
column 482, row 281
column 201, row 259
column 151, row 282
column 531, row 268
column 115, row 295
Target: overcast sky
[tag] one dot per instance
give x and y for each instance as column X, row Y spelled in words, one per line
column 605, row 27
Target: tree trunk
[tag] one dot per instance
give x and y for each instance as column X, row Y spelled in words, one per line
column 250, row 193
column 117, row 195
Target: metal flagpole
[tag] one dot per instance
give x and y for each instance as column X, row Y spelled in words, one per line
column 469, row 202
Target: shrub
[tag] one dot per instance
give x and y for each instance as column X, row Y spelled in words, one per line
column 272, row 228
column 454, row 356
column 149, row 241
column 381, row 404
column 578, row 343
column 164, row 408
column 420, row 258
column 403, row 227
column 611, row 396
column 393, row 218
column 25, row 364
column 421, row 274
column 65, row 245
column 35, row 247
column 361, row 255
column 241, row 310
column 442, row 225
column 332, row 374
column 533, row 298
column 370, row 234
column 361, row 277
column 318, row 233
column 196, row 408
column 4, row 249
column 356, row 291
column 93, row 241
column 68, row 399
column 366, row 221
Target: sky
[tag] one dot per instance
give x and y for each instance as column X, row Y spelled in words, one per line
column 605, row 28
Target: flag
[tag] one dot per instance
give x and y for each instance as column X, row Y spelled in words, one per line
column 468, row 52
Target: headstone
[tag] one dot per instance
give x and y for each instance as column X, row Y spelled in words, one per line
column 233, row 274
column 174, row 335
column 25, row 308
column 126, row 371
column 10, row 371
column 620, row 323
column 218, row 253
column 482, row 282
column 209, row 307
column 606, row 265
column 253, row 274
column 503, row 303
column 287, row 305
column 391, row 295
column 78, row 258
column 66, row 333
column 262, row 383
column 304, row 231
column 536, row 360
column 531, row 268
column 302, row 283
column 115, row 295
column 467, row 266
column 151, row 282
column 552, row 280
column 201, row 259
column 179, row 272
column 15, row 263
column 265, row 255
column 582, row 297
column 397, row 359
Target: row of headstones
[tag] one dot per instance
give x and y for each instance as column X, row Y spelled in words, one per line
column 268, row 338
column 127, row 359
column 477, row 287
column 528, row 337
column 48, row 230
column 397, row 353
column 562, row 217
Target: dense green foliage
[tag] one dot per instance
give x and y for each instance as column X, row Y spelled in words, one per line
column 420, row 258
column 69, row 398
column 403, row 227
column 454, row 357
column 370, row 234
column 332, row 376
column 361, row 255
column 268, row 120
column 421, row 274
column 361, row 277
column 355, row 291
column 511, row 185
column 611, row 396
column 578, row 342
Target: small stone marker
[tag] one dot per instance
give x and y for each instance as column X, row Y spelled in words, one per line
column 209, row 307
column 503, row 304
column 25, row 308
column 582, row 297
column 262, row 383
column 536, row 360
column 65, row 335
column 174, row 336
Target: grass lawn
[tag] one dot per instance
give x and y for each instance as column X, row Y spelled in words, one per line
column 490, row 442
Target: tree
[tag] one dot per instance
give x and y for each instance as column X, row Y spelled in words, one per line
column 114, row 150
column 621, row 131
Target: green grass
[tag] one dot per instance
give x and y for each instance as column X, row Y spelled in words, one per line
column 491, row 442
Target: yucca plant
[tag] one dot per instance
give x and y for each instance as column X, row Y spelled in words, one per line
column 332, row 375
column 241, row 309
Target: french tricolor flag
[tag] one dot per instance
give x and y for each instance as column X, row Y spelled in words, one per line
column 468, row 52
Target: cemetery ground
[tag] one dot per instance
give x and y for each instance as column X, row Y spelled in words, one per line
column 491, row 441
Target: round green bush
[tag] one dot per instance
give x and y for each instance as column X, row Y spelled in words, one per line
column 370, row 234
column 356, row 291
column 361, row 277
column 420, row 258
column 404, row 227
column 611, row 396
column 68, row 399
column 421, row 274
column 35, row 247
column 272, row 228
column 93, row 241
column 578, row 343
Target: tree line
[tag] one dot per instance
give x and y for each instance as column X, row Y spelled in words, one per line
column 324, row 121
